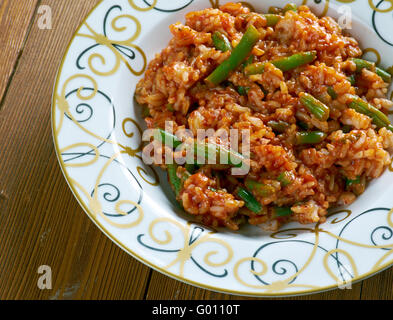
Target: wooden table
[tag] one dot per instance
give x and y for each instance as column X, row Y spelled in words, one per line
column 41, row 223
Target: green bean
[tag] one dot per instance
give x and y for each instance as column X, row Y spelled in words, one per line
column 275, row 10
column 243, row 91
column 239, row 219
column 254, row 68
column 357, row 186
column 346, row 128
column 378, row 117
column 191, row 167
column 207, row 150
column 167, row 138
column 285, row 178
column 282, row 211
column 174, row 180
column 271, row 19
column 290, row 7
column 220, row 154
column 145, row 112
column 184, row 177
column 302, row 116
column 221, row 42
column 260, row 189
column 386, row 76
column 227, row 83
column 284, row 64
column 238, row 55
column 249, row 200
column 332, row 93
column 361, row 64
column 265, row 91
column 364, row 64
column 294, row 61
column 169, row 106
column 303, row 125
column 278, row 126
column 311, row 137
column 364, row 108
column 349, row 182
column 248, row 61
column 316, row 107
column 352, row 79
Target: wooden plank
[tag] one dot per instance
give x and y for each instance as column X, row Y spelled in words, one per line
column 15, row 18
column 379, row 287
column 40, row 221
column 162, row 287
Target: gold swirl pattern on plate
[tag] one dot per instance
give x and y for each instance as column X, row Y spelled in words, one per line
column 282, row 284
column 326, row 8
column 215, row 3
column 375, row 52
column 358, row 244
column 61, row 101
column 317, row 229
column 110, row 44
column 133, row 153
column 336, row 220
column 255, row 273
column 130, row 134
column 82, row 164
column 390, row 8
column 96, row 208
column 291, row 233
column 133, row 5
column 141, row 171
column 286, row 233
column 276, row 286
column 64, row 107
column 184, row 254
column 332, row 274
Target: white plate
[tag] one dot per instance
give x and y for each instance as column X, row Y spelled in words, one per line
column 96, row 128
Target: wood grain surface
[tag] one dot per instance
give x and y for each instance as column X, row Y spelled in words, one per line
column 41, row 223
column 15, row 23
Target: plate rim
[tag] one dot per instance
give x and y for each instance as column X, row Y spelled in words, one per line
column 141, row 259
